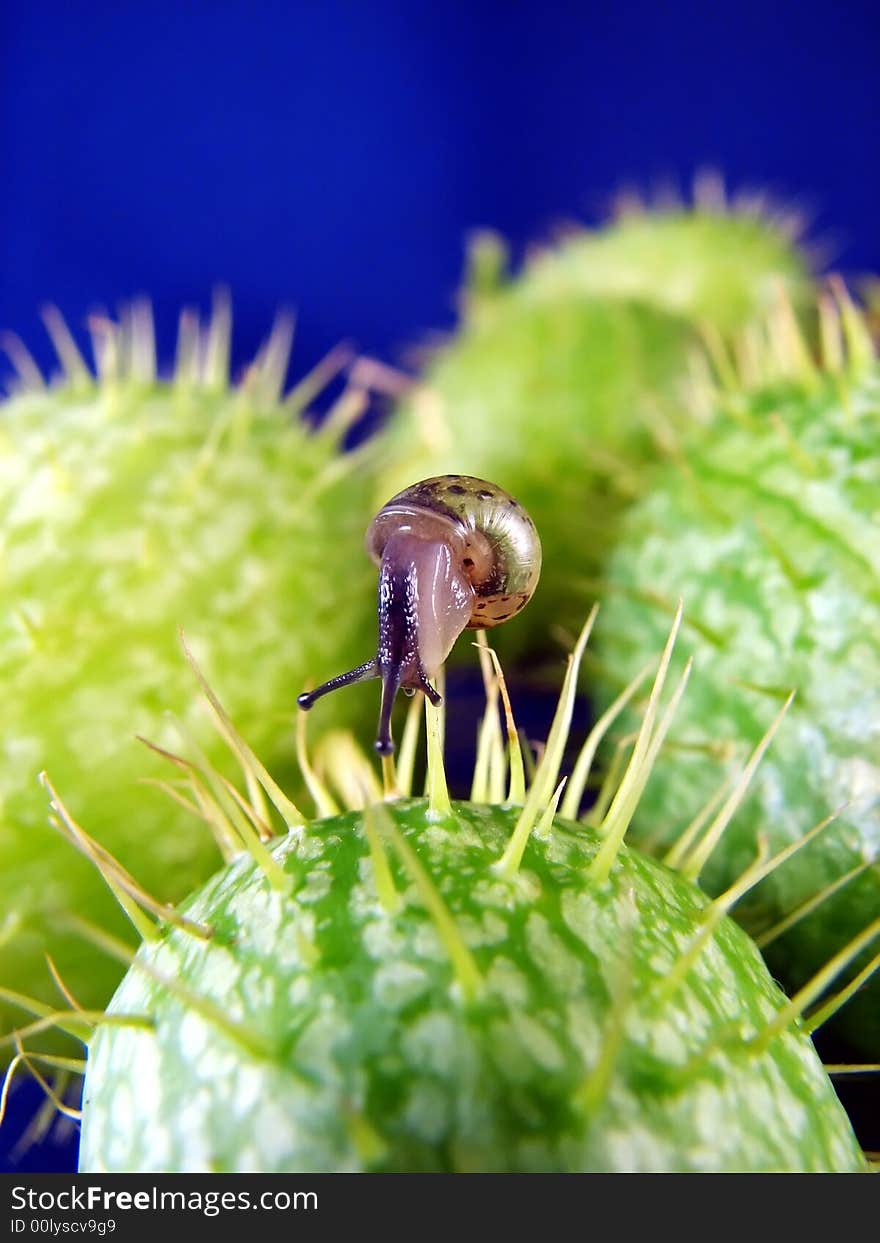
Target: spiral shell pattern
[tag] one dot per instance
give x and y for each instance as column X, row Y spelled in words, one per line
column 497, row 540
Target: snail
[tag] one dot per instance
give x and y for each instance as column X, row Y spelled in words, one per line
column 454, row 553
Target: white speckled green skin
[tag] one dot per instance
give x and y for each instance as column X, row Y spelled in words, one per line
column 771, row 534
column 362, row 1051
column 130, row 509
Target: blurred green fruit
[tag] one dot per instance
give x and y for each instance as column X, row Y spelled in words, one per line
column 560, row 382
column 769, row 529
column 132, row 507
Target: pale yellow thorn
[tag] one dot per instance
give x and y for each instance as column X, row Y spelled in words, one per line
column 544, row 826
column 516, row 794
column 324, row 803
column 315, row 381
column 406, row 758
column 390, row 789
column 490, row 769
column 259, row 805
column 67, row 1110
column 787, row 339
column 7, row 1083
column 60, row 984
column 71, row 359
column 109, row 870
column 488, row 729
column 186, row 362
column 584, row 763
column 778, row 929
column 343, row 762
column 259, row 825
column 688, row 836
column 816, row 986
column 720, row 359
column 268, row 371
column 623, row 804
column 818, row 1017
column 547, row 772
column 215, row 358
column 237, row 811
column 76, row 1065
column 860, row 351
column 435, row 718
column 693, row 864
column 610, row 782
column 830, row 335
column 23, row 361
column 386, row 890
column 228, row 842
column 287, row 809
column 141, row 341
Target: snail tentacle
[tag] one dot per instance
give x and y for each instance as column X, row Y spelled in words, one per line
column 363, row 673
column 390, row 685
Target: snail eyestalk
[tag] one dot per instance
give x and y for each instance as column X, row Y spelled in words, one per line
column 454, row 553
column 363, row 673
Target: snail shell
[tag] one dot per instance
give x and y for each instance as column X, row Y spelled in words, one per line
column 493, row 537
column 454, row 553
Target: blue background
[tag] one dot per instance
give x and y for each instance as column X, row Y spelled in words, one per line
column 332, row 156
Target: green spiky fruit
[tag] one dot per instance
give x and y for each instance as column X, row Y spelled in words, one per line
column 557, row 381
column 421, row 985
column 133, row 507
column 723, row 268
column 523, row 1024
column 769, row 528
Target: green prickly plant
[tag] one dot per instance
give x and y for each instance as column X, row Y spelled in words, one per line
column 403, row 983
column 558, row 379
column 769, row 528
column 131, row 506
column 718, row 263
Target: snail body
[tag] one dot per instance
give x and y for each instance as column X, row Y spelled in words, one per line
column 454, row 553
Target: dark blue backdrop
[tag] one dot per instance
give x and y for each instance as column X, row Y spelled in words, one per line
column 332, row 155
